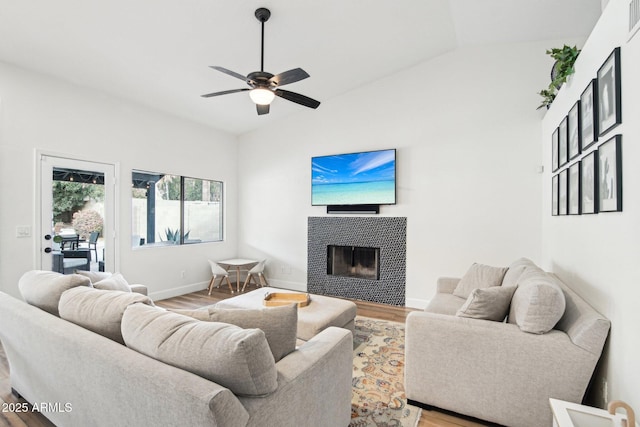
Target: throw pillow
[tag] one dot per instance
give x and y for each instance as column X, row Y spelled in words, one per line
column 488, row 303
column 238, row 359
column 516, row 268
column 95, row 276
column 99, row 311
column 479, row 276
column 279, row 324
column 115, row 282
column 44, row 288
column 538, row 302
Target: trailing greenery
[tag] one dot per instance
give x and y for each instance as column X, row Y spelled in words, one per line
column 565, row 58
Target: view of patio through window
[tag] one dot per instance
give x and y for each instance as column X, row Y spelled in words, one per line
column 173, row 210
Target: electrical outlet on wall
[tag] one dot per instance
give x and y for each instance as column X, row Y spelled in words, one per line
column 285, row 269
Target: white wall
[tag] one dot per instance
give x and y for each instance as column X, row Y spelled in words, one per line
column 598, row 254
column 37, row 112
column 467, row 132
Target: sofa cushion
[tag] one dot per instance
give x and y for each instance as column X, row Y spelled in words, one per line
column 538, row 302
column 442, row 303
column 236, row 358
column 98, row 310
column 97, row 276
column 488, row 303
column 479, row 276
column 279, row 324
column 44, row 288
column 116, row 282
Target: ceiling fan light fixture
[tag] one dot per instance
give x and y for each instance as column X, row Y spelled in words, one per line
column 261, row 96
column 264, row 86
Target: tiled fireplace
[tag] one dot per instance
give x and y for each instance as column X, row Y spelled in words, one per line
column 362, row 258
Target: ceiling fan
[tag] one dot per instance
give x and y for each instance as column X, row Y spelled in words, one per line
column 263, row 86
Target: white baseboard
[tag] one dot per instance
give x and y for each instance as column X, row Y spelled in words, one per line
column 416, row 303
column 195, row 287
column 276, row 283
column 174, row 292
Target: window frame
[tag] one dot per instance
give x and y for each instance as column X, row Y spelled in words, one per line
column 181, row 241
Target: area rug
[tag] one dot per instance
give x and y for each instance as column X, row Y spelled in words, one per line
column 378, row 398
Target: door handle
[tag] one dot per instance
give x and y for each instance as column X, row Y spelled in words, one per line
column 47, row 250
column 47, row 237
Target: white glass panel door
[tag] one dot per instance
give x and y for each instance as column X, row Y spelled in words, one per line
column 77, row 215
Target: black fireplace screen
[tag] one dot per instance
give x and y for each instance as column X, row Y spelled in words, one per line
column 353, row 261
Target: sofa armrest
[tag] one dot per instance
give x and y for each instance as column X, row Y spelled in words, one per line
column 140, row 289
column 320, row 367
column 446, row 285
column 492, row 370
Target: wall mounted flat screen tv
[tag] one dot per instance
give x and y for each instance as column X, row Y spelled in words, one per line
column 364, row 178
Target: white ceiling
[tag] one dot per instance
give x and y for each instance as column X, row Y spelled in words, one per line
column 157, row 52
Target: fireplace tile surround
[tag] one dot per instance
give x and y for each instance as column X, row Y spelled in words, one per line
column 386, row 233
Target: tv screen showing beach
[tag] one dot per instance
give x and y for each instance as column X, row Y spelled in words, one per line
column 367, row 178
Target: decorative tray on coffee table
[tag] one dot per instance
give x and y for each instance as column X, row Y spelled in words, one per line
column 275, row 299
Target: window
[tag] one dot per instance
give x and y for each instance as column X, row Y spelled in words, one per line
column 175, row 210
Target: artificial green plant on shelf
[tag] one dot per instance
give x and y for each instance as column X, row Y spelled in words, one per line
column 563, row 67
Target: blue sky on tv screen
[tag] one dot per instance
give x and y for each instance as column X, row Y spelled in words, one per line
column 355, row 167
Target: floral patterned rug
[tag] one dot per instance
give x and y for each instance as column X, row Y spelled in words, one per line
column 378, row 398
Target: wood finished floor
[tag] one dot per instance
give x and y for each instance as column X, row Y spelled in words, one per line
column 429, row 418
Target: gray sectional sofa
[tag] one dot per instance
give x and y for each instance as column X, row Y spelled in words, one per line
column 89, row 378
column 503, row 371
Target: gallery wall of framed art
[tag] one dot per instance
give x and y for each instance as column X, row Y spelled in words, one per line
column 596, row 252
column 586, row 157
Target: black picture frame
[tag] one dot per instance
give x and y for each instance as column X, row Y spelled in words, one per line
column 563, row 157
column 573, row 132
column 589, row 183
column 609, row 93
column 563, row 202
column 610, row 175
column 554, row 151
column 574, row 189
column 589, row 115
column 554, row 195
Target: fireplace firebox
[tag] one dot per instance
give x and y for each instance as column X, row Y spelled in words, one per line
column 353, row 261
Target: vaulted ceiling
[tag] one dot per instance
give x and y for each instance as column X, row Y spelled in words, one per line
column 157, row 52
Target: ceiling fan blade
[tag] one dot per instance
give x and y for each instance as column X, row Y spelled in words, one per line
column 224, row 92
column 262, row 109
column 229, row 72
column 290, row 76
column 297, row 98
